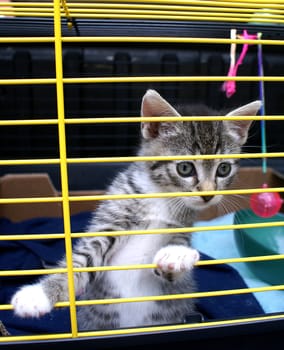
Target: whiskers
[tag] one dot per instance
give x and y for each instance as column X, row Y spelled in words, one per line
column 179, row 209
column 231, row 203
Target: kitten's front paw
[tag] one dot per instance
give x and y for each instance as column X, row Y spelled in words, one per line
column 31, row 301
column 172, row 261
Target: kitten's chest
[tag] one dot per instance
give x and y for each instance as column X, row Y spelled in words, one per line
column 155, row 214
column 137, row 249
column 141, row 248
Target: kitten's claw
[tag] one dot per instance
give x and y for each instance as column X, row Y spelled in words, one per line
column 31, row 301
column 172, row 261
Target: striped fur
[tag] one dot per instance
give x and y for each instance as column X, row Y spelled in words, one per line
column 170, row 252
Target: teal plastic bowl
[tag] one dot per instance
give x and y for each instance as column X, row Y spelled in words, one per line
column 259, row 242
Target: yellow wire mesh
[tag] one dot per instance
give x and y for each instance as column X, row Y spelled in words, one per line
column 248, row 11
column 232, row 11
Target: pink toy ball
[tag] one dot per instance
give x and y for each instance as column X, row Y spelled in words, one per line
column 266, row 204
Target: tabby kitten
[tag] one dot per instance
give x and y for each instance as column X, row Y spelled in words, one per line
column 171, row 253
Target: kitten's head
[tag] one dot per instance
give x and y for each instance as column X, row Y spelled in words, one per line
column 192, row 138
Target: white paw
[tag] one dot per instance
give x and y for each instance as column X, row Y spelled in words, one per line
column 31, row 301
column 176, row 259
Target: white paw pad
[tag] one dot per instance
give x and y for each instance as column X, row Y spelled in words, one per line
column 176, row 259
column 31, row 301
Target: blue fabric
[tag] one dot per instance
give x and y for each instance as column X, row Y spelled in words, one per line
column 223, row 277
column 221, row 244
column 31, row 254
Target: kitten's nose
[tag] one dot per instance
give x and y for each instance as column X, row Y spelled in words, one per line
column 207, row 198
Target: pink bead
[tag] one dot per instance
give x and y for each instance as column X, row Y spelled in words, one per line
column 266, row 204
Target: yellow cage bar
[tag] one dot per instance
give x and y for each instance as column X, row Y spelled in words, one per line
column 163, row 10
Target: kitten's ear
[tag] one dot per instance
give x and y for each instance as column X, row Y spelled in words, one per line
column 153, row 105
column 239, row 128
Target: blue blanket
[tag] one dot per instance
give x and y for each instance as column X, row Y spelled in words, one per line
column 32, row 254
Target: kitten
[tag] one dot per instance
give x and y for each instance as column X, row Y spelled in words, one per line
column 170, row 252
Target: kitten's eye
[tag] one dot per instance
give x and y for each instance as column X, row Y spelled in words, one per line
column 185, row 169
column 224, row 169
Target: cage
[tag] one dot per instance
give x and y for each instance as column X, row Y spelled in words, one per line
column 72, row 76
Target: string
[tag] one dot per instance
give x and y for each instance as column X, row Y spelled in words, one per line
column 230, row 86
column 262, row 109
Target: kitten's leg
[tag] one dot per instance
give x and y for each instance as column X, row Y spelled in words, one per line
column 175, row 259
column 38, row 299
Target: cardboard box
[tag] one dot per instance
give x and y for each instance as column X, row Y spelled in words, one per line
column 40, row 185
column 33, row 186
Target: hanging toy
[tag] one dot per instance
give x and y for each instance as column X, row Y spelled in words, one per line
column 265, row 204
column 230, row 86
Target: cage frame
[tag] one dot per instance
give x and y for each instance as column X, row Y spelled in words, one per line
column 214, row 333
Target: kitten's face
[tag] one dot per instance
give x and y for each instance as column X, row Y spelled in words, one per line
column 192, row 138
